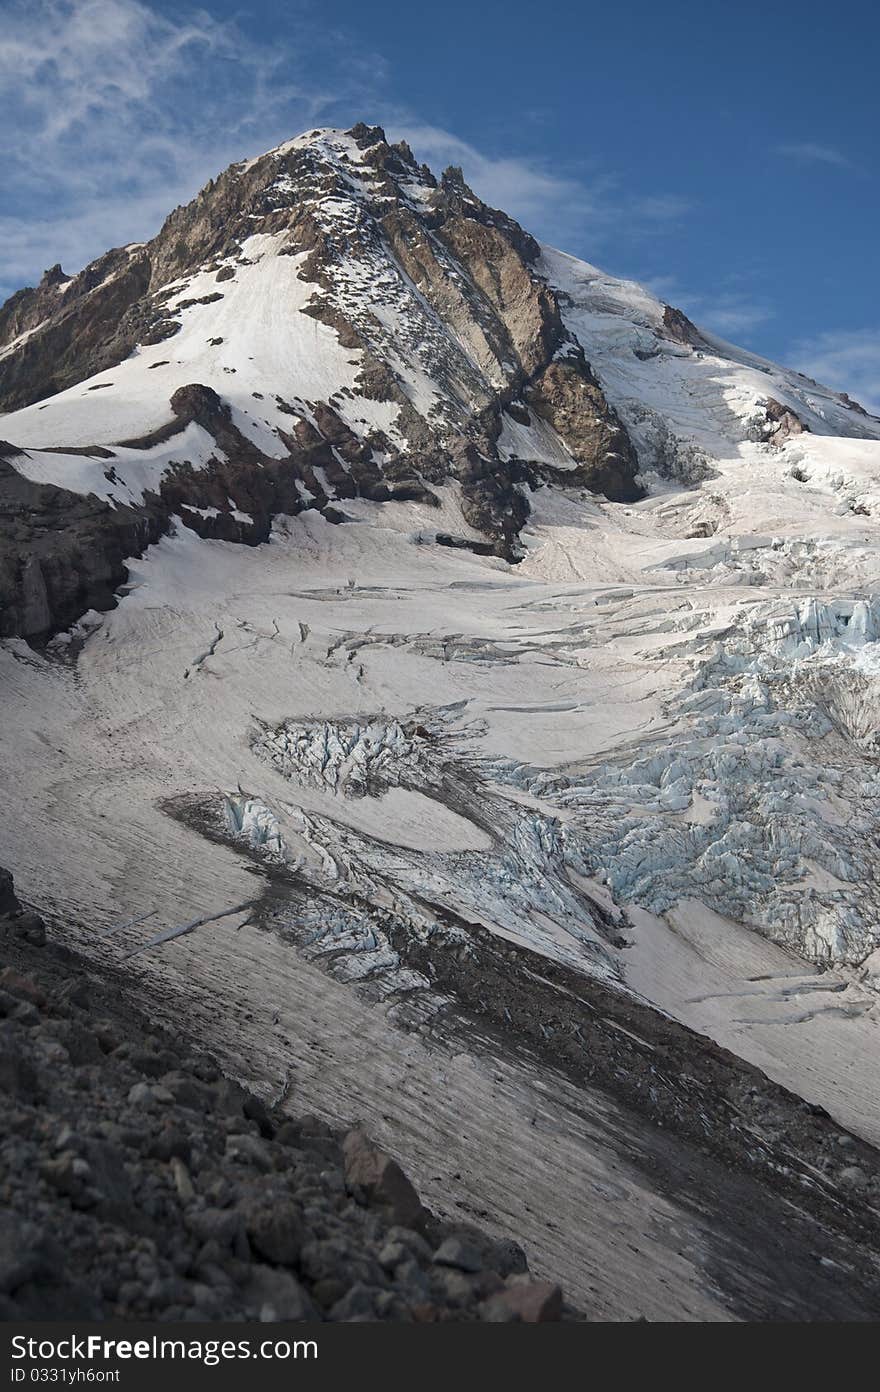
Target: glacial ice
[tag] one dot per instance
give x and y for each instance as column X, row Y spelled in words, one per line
column 355, row 758
column 520, row 888
column 254, row 822
column 735, row 808
column 776, row 725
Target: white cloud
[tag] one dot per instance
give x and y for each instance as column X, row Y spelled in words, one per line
column 728, row 312
column 806, row 152
column 732, row 314
column 554, row 207
column 121, row 112
column 848, row 359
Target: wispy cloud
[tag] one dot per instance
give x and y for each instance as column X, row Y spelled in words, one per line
column 731, row 313
column 552, row 206
column 121, row 112
column 503, row 182
column 806, row 152
column 848, row 359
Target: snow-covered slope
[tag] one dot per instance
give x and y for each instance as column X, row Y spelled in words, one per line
column 325, row 323
column 680, row 388
column 560, row 622
column 329, row 322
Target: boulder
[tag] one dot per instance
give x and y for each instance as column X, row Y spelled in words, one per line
column 533, row 1302
column 458, row 1253
column 370, row 1172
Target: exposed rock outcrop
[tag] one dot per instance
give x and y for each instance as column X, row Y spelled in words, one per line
column 678, row 327
column 139, row 1182
column 567, row 395
column 67, row 329
column 782, row 422
column 61, row 553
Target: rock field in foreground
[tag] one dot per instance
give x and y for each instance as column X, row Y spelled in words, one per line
column 139, row 1182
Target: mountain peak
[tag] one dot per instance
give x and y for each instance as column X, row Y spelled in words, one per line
column 364, row 136
column 327, row 322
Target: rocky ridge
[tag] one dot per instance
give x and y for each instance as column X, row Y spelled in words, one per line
column 330, row 322
column 439, row 297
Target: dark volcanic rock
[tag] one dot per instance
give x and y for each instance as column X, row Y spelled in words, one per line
column 568, row 396
column 679, row 328
column 185, row 1196
column 18, row 923
column 62, row 553
column 485, row 330
column 92, row 325
column 8, row 902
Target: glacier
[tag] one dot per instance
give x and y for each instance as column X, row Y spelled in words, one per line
column 640, row 744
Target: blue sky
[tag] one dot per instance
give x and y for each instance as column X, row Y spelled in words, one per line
column 726, row 154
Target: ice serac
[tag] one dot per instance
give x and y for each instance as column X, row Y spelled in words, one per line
column 339, row 324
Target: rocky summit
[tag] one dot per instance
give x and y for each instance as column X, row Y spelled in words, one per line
column 440, row 749
column 369, row 333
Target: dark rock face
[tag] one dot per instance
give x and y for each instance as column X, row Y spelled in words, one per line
column 17, row 924
column 76, row 326
column 678, row 327
column 855, row 405
column 8, row 902
column 781, row 422
column 486, row 331
column 567, row 395
column 61, row 553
